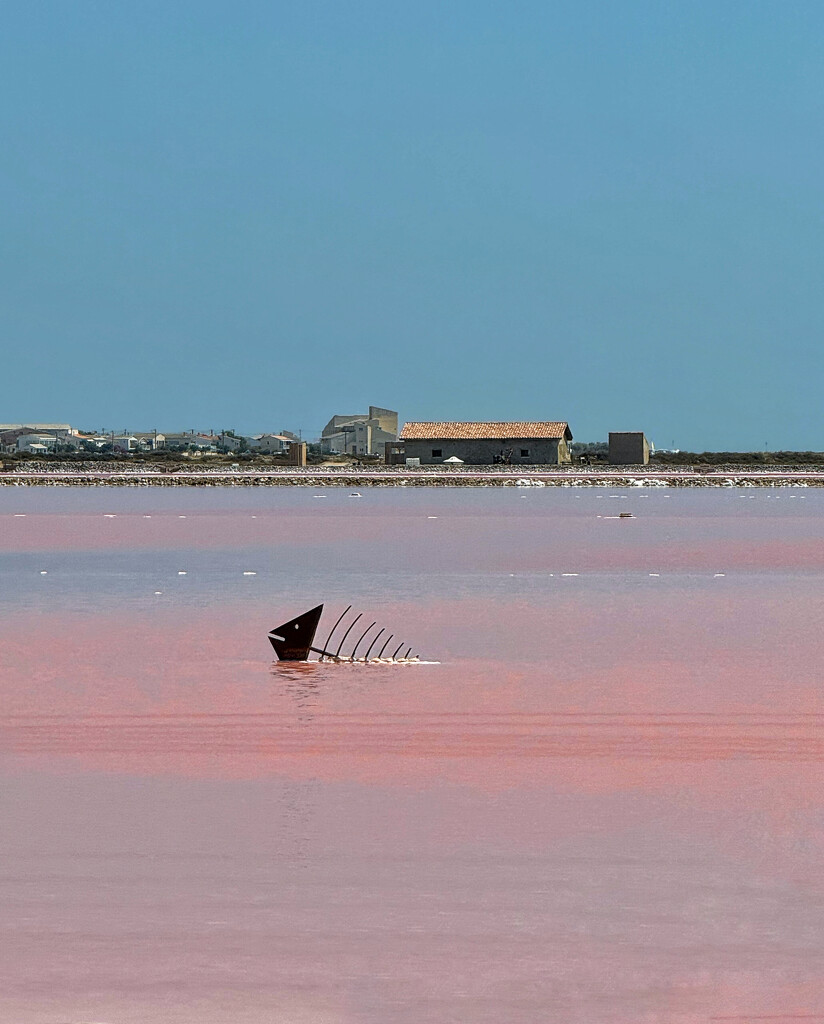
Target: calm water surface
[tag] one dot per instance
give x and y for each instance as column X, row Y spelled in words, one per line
column 605, row 804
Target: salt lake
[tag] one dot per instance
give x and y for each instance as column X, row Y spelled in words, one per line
column 603, row 803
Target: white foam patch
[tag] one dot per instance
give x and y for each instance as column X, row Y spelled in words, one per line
column 655, row 574
column 382, row 661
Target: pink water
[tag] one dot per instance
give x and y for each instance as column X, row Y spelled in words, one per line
column 605, row 803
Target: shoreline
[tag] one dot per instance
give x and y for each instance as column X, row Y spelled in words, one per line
column 386, row 477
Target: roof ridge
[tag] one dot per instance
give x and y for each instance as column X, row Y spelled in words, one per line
column 484, row 429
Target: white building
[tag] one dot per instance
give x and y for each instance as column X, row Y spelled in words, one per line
column 36, row 443
column 363, row 434
column 273, row 444
column 192, row 441
column 149, row 440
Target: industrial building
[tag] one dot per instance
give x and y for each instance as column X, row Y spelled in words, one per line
column 361, row 434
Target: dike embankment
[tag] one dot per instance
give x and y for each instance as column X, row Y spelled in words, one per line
column 116, row 475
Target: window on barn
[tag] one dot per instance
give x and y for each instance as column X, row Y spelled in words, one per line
column 525, row 453
column 437, row 453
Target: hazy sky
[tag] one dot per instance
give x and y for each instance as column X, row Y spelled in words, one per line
column 257, row 214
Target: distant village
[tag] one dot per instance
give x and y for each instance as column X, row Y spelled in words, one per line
column 372, row 436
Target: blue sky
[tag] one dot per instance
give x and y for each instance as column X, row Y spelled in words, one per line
column 258, row 214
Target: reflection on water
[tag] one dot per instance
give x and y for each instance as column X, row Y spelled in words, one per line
column 298, row 680
column 603, row 804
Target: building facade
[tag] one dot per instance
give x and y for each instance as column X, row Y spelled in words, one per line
column 55, row 429
column 363, row 434
column 37, row 443
column 273, row 444
column 628, row 448
column 533, row 443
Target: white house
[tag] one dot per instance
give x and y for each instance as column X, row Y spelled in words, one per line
column 274, row 444
column 191, row 441
column 37, row 443
column 149, row 440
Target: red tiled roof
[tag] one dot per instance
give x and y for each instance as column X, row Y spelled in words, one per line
column 445, row 431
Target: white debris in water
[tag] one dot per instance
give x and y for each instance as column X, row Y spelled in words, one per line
column 356, row 494
column 110, row 515
column 19, row 515
column 181, row 517
column 147, row 517
column 569, row 573
column 655, row 574
column 318, row 495
column 719, row 574
column 431, row 517
column 44, row 572
column 158, row 593
column 182, row 572
column 249, row 573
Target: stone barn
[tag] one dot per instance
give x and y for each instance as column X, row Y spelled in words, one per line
column 544, row 443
